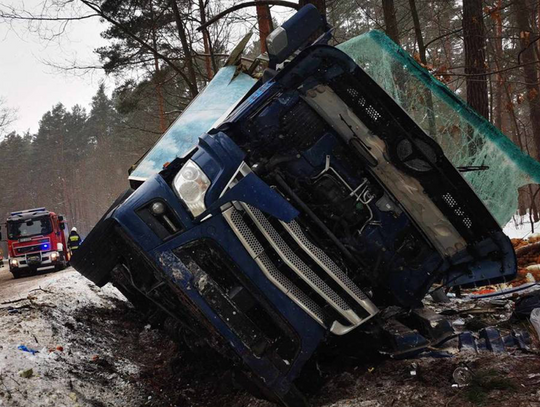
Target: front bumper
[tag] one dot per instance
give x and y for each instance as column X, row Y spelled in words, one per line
column 41, row 262
column 271, row 335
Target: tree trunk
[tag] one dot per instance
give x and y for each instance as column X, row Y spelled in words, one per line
column 390, row 20
column 530, row 73
column 209, row 59
column 475, row 56
column 423, row 59
column 498, row 119
column 187, row 50
column 418, row 32
column 159, row 96
column 264, row 20
column 157, row 77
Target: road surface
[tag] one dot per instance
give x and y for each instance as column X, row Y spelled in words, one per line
column 94, row 349
column 13, row 289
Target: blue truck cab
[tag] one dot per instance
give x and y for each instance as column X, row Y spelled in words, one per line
column 300, row 207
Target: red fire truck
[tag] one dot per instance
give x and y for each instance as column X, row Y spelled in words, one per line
column 36, row 241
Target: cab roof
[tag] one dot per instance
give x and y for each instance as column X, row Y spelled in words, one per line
column 28, row 214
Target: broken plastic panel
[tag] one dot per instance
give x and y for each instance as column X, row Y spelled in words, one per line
column 221, row 95
column 467, row 139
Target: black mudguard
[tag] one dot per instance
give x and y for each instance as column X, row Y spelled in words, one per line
column 98, row 255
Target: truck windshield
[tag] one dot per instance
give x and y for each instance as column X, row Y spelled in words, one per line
column 223, row 92
column 30, row 227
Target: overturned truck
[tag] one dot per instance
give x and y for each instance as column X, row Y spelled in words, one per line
column 302, row 207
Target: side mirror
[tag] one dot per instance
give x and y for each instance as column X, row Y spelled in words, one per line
column 62, row 226
column 294, row 34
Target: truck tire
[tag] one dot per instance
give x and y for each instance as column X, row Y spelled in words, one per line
column 16, row 274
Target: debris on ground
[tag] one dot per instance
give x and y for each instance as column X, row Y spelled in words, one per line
column 25, row 349
column 111, row 353
column 528, row 256
column 27, row 373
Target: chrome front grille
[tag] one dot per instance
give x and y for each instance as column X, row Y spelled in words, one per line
column 324, row 261
column 28, row 249
column 255, row 249
column 285, row 285
column 340, row 303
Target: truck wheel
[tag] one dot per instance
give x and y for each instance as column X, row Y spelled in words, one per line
column 16, row 274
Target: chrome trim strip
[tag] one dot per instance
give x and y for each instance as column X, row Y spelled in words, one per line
column 243, row 169
column 233, row 216
column 331, row 268
column 251, row 244
column 299, row 267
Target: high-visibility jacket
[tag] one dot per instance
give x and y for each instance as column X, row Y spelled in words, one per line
column 74, row 240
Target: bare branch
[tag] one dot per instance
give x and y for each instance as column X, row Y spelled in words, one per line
column 248, row 4
column 510, row 68
column 8, row 16
column 7, row 117
column 139, row 40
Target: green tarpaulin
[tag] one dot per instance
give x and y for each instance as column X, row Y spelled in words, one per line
column 467, row 138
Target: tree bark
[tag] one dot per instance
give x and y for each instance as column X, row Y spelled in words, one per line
column 423, row 59
column 530, row 72
column 209, row 60
column 390, row 20
column 187, row 50
column 475, row 56
column 264, row 20
column 498, row 119
column 418, row 32
column 157, row 78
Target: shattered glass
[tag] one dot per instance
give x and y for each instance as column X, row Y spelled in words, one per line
column 221, row 94
column 467, row 139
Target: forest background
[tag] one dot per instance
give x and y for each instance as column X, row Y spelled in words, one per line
column 488, row 52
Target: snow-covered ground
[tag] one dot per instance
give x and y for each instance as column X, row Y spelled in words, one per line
column 95, row 350
column 41, row 313
column 520, row 228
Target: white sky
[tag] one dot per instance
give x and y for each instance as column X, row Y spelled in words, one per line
column 30, row 86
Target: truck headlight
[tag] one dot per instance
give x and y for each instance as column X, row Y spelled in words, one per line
column 191, row 184
column 13, row 263
column 54, row 256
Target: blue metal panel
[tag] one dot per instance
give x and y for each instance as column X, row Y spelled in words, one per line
column 309, row 332
column 219, row 157
column 255, row 192
column 153, row 188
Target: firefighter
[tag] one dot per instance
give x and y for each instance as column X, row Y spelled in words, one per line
column 74, row 240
